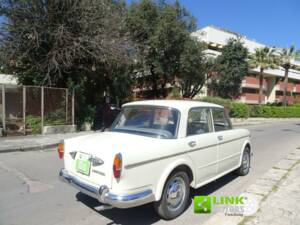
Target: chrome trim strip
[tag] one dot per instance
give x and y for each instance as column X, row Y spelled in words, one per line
column 130, row 166
column 103, row 195
column 73, row 180
column 131, row 197
column 98, row 172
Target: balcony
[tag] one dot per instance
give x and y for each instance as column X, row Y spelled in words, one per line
column 252, row 98
column 290, row 86
column 297, row 88
column 290, row 99
column 253, row 82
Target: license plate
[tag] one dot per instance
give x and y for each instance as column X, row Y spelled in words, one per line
column 83, row 164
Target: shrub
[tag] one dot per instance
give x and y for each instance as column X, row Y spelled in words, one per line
column 260, row 111
column 239, row 110
column 86, row 114
column 34, row 123
column 57, row 117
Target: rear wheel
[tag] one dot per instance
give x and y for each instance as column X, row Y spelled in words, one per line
column 245, row 165
column 175, row 196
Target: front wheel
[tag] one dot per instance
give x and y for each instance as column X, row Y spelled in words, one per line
column 245, row 165
column 175, row 196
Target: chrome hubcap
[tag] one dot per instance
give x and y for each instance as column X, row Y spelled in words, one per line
column 246, row 161
column 176, row 193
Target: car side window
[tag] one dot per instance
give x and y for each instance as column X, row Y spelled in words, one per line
column 199, row 121
column 221, row 120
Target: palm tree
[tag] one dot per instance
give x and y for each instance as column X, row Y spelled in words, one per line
column 263, row 58
column 287, row 55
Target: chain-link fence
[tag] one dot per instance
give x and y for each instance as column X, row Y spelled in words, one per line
column 27, row 109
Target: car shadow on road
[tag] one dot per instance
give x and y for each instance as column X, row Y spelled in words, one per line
column 214, row 186
column 145, row 214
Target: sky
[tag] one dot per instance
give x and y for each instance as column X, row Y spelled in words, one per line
column 270, row 22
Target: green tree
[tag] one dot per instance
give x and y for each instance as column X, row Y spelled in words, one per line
column 230, row 68
column 263, row 58
column 287, row 55
column 193, row 68
column 159, row 31
column 77, row 43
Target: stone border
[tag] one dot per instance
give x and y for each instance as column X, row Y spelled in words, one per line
column 30, row 148
column 261, row 189
column 259, row 120
column 59, row 129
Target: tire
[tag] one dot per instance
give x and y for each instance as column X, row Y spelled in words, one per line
column 244, row 169
column 169, row 207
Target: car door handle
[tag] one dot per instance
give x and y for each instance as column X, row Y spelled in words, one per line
column 220, row 138
column 192, row 143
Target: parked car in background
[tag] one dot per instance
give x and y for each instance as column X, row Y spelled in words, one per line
column 155, row 152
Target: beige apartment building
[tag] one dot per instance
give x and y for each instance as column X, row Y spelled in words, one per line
column 273, row 85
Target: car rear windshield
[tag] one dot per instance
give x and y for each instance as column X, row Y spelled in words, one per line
column 153, row 121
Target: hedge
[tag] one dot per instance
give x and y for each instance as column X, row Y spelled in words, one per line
column 274, row 111
column 239, row 110
column 242, row 110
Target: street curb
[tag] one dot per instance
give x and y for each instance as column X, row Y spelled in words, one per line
column 35, row 144
column 261, row 189
column 239, row 122
column 30, row 148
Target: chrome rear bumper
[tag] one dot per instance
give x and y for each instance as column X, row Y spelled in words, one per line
column 103, row 195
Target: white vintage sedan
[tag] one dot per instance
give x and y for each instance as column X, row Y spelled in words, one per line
column 155, row 151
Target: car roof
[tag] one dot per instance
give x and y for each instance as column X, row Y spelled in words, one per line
column 177, row 104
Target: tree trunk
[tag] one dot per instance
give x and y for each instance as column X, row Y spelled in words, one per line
column 261, row 80
column 163, row 90
column 154, row 82
column 286, row 78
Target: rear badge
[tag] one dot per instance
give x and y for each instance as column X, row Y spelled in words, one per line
column 96, row 161
column 98, row 172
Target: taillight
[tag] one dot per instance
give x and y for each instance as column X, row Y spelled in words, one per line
column 117, row 167
column 60, row 150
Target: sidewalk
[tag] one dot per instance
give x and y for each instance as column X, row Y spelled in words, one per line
column 277, row 194
column 282, row 205
column 35, row 142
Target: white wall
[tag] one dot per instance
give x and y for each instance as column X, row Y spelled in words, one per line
column 219, row 37
column 8, row 79
column 212, row 34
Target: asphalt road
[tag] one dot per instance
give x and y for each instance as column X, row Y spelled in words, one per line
column 31, row 193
